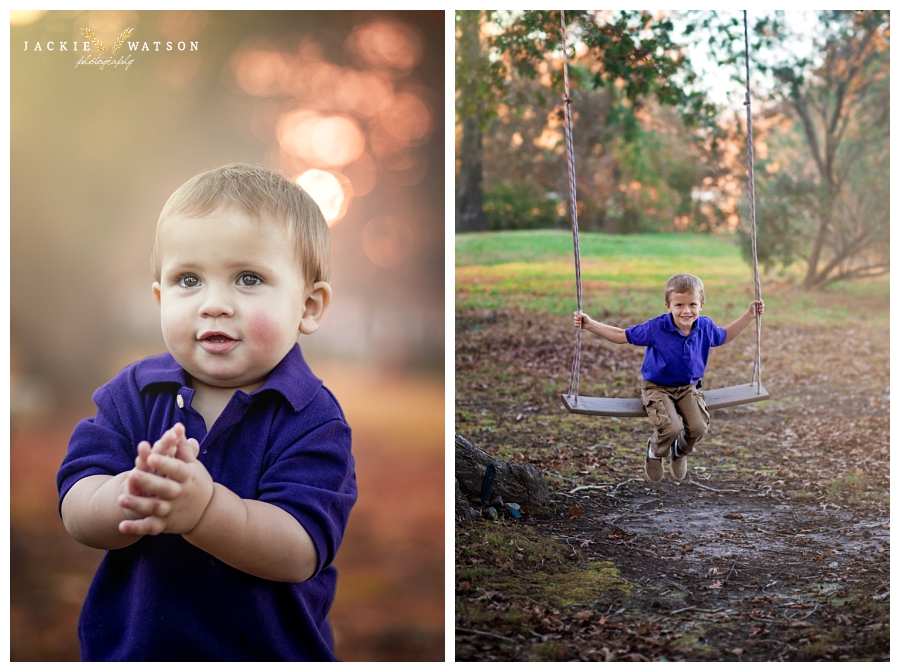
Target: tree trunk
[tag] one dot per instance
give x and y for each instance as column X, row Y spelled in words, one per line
column 470, row 108
column 469, row 195
column 516, row 483
column 818, row 244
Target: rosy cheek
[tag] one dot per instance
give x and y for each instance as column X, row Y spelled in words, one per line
column 265, row 329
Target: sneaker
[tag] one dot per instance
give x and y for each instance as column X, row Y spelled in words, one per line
column 677, row 463
column 653, row 466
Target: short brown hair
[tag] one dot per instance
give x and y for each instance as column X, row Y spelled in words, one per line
column 684, row 283
column 256, row 192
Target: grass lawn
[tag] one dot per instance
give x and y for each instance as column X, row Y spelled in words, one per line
column 624, row 276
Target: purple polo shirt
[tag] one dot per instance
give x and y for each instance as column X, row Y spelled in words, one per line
column 164, row 599
column 673, row 359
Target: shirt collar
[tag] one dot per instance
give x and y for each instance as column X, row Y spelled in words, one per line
column 291, row 377
column 670, row 325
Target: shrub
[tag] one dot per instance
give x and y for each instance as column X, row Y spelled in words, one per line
column 509, row 206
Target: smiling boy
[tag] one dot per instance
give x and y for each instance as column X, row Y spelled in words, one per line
column 678, row 343
column 220, row 534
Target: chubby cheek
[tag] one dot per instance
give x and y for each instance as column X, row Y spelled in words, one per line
column 268, row 333
column 177, row 327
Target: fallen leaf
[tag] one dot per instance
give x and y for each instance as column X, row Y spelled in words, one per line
column 576, row 511
column 618, row 533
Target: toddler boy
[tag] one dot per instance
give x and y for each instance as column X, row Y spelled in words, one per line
column 220, row 534
column 678, row 343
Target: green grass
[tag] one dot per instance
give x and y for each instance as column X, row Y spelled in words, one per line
column 510, row 544
column 490, row 249
column 624, row 276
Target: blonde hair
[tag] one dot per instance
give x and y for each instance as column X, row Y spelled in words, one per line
column 260, row 194
column 682, row 284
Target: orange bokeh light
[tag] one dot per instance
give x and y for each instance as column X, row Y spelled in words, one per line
column 330, row 191
column 260, row 72
column 362, row 173
column 388, row 241
column 407, row 119
column 331, row 141
column 363, row 92
column 387, row 45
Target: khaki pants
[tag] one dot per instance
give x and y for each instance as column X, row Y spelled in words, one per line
column 676, row 412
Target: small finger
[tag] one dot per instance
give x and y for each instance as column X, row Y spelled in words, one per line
column 195, row 447
column 134, row 489
column 143, row 451
column 163, row 443
column 170, row 467
column 145, row 506
column 187, row 449
column 178, row 434
column 144, row 526
column 153, row 484
column 168, row 442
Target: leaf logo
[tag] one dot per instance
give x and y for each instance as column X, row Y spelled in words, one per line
column 121, row 39
column 88, row 33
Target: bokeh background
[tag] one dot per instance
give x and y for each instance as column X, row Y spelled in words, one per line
column 348, row 103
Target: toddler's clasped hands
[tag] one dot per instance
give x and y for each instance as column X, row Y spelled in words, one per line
column 169, row 488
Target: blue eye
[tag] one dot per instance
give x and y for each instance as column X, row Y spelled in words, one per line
column 249, row 280
column 188, row 280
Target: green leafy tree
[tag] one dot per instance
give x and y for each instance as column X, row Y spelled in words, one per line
column 635, row 56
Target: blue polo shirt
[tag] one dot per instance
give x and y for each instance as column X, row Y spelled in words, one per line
column 673, row 359
column 164, row 599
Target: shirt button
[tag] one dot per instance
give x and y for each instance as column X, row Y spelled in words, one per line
column 180, row 401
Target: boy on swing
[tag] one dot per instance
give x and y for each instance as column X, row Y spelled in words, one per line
column 678, row 343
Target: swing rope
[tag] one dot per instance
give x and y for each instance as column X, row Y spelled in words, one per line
column 750, row 178
column 573, row 208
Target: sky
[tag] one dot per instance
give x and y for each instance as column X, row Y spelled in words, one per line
column 721, row 88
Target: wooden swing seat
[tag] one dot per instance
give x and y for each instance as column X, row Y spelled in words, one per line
column 634, row 408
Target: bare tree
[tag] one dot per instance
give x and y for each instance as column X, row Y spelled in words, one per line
column 837, row 195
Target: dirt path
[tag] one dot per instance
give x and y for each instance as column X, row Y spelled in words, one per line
column 775, row 548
